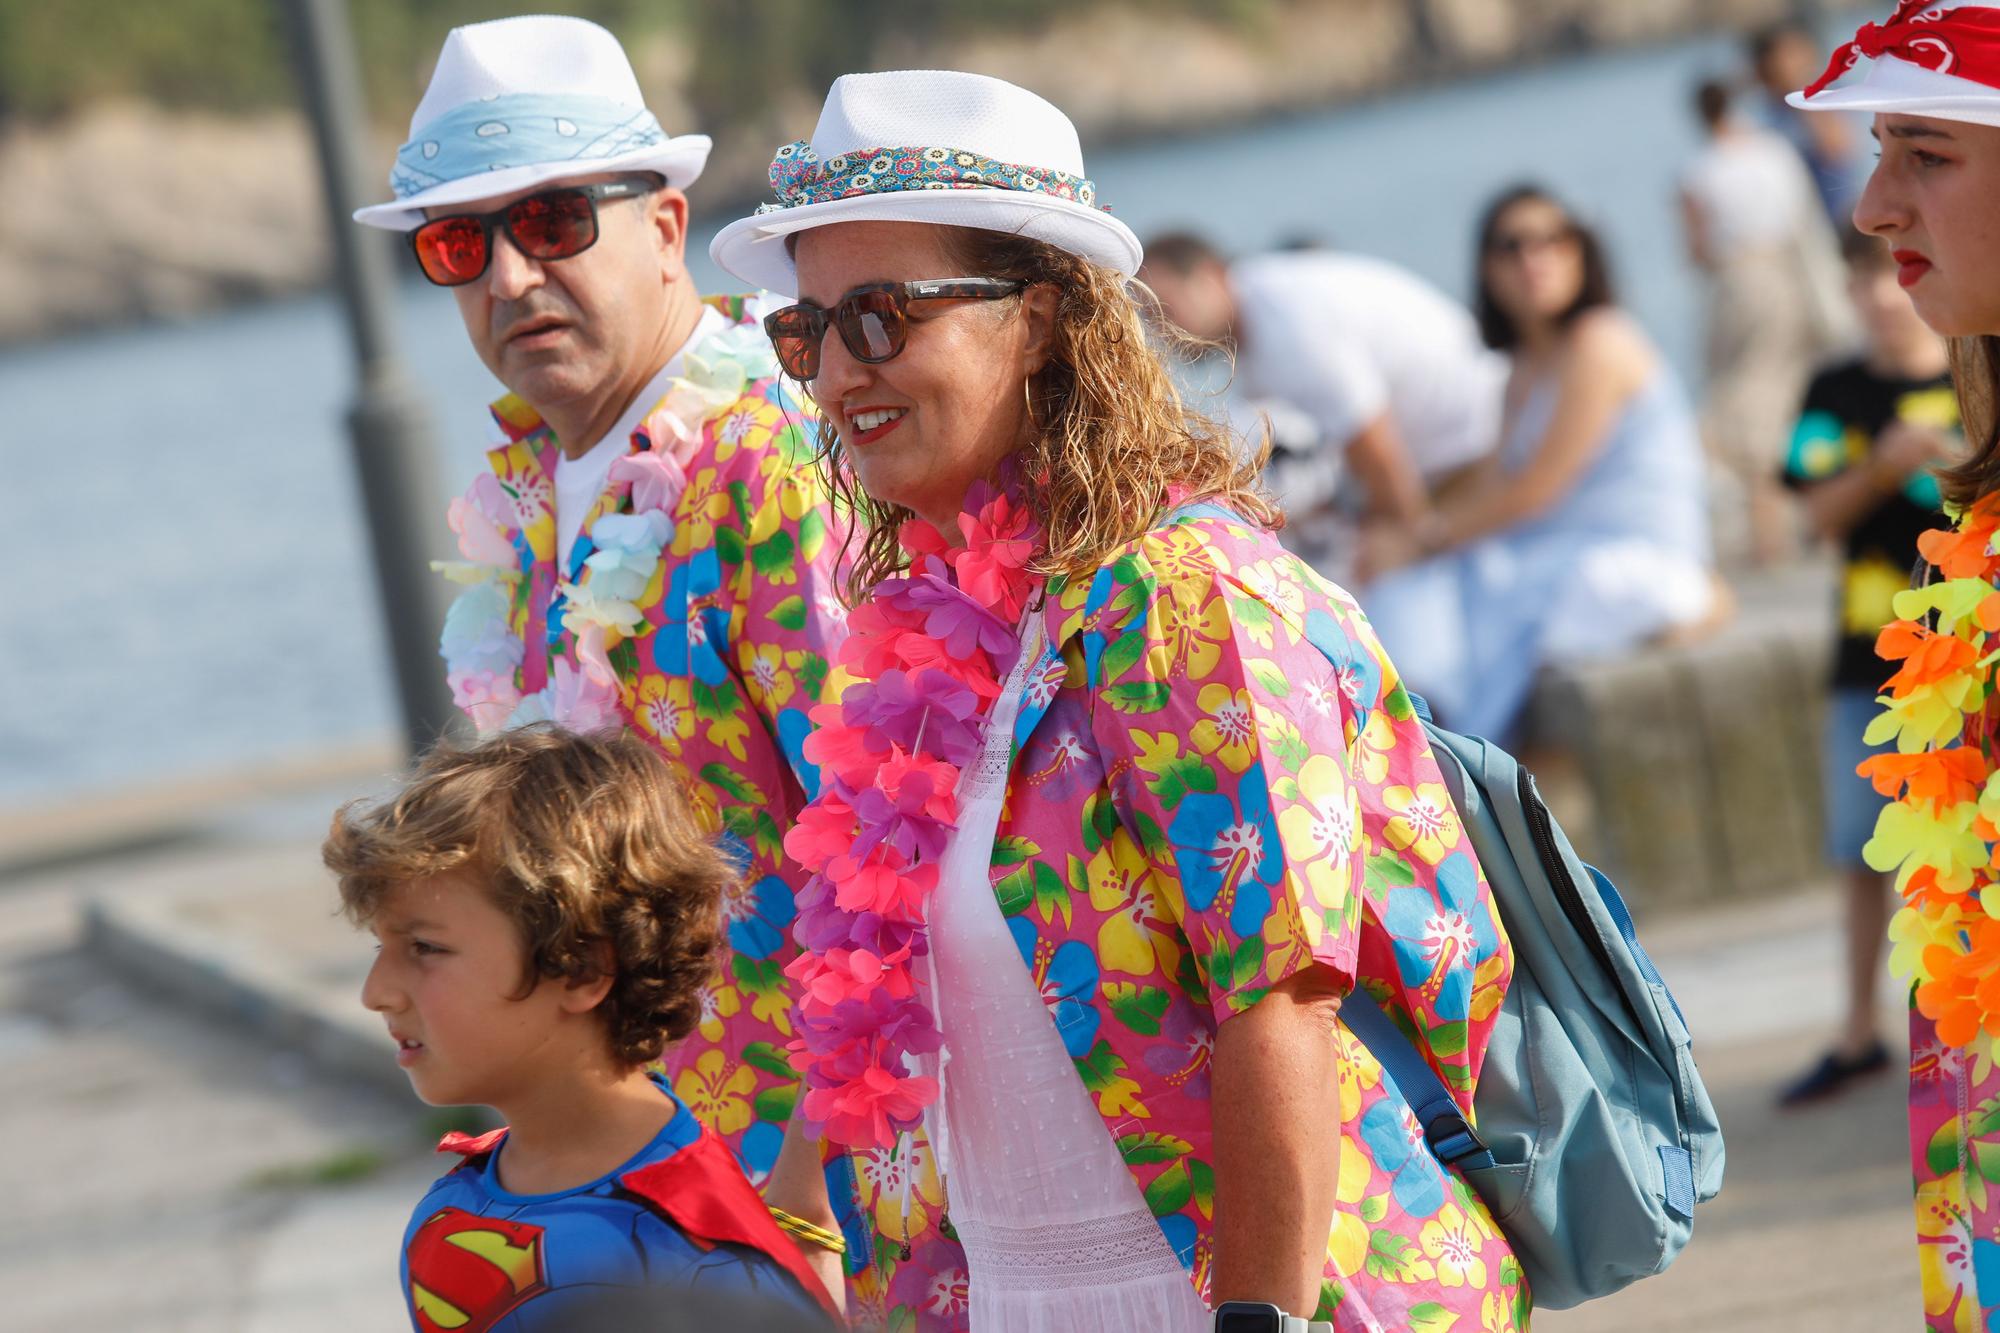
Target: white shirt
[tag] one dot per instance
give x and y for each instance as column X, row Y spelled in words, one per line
column 1752, row 191
column 1343, row 339
column 579, row 481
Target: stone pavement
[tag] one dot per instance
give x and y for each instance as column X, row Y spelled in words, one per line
column 166, row 1127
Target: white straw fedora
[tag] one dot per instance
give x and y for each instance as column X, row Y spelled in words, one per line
column 1938, row 58
column 929, row 146
column 517, row 102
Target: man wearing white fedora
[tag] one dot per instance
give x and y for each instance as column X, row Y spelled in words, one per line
column 651, row 548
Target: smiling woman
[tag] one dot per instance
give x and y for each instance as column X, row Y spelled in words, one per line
column 1096, row 857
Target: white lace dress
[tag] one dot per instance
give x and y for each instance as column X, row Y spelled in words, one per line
column 1057, row 1236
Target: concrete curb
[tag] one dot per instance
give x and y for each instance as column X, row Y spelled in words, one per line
column 145, row 942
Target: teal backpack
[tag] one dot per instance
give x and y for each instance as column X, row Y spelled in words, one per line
column 1596, row 1138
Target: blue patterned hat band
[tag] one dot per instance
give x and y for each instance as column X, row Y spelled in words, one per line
column 521, row 130
column 800, row 178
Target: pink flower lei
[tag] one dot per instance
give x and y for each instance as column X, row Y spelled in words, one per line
column 929, row 651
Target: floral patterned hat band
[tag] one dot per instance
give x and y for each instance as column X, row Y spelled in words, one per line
column 800, row 178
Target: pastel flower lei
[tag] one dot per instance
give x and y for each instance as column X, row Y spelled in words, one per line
column 1941, row 834
column 928, row 652
column 481, row 651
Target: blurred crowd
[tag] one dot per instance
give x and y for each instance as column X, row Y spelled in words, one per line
column 1529, row 474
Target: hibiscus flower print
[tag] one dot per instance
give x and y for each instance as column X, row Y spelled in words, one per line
column 1454, row 1245
column 1136, row 938
column 664, row 711
column 1227, row 729
column 1441, row 938
column 1397, row 1143
column 1228, row 858
column 1423, row 820
column 756, row 915
column 718, row 1091
column 767, row 672
column 1183, row 1050
column 1322, row 830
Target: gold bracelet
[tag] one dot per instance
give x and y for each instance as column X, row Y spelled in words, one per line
column 803, row 1230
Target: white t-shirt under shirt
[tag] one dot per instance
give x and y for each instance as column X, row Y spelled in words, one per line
column 579, row 481
column 1343, row 339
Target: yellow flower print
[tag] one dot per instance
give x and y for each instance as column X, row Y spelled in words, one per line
column 719, row 1004
column 702, row 505
column 1376, row 744
column 747, row 425
column 1272, row 581
column 1228, row 729
column 1179, row 556
column 1450, row 1240
column 1494, row 1315
column 665, row 711
column 1193, row 624
column 765, row 671
column 1138, row 937
column 1424, row 821
column 718, row 1092
column 900, row 1186
column 1487, row 990
column 1322, row 829
column 1359, row 1072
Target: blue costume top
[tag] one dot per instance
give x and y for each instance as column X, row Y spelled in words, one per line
column 479, row 1259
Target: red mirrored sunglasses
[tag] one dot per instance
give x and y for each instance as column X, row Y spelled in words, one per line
column 549, row 224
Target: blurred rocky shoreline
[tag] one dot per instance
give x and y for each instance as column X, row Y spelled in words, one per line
column 127, row 213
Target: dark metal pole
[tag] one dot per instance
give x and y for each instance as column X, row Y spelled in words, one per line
column 394, row 456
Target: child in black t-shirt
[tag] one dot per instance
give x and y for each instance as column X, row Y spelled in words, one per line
column 1869, row 434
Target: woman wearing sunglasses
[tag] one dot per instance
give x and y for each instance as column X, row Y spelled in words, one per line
column 1123, row 801
column 1585, row 534
column 644, row 553
column 1930, row 74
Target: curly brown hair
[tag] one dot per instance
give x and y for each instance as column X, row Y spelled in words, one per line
column 1116, row 445
column 585, row 841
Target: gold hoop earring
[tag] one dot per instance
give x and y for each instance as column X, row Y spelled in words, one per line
column 1028, row 398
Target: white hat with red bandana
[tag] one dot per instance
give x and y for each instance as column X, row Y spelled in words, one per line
column 1937, row 58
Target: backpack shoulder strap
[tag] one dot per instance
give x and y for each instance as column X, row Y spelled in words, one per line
column 1451, row 1138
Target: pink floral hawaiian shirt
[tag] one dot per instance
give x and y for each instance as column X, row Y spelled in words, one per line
column 700, row 607
column 1218, row 780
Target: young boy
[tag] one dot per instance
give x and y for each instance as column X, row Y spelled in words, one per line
column 1862, row 454
column 547, row 913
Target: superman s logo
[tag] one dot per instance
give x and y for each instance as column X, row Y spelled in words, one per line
column 468, row 1271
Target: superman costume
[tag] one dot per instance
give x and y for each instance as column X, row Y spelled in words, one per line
column 679, row 1215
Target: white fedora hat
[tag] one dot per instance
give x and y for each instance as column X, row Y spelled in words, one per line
column 1938, row 58
column 516, row 102
column 929, row 146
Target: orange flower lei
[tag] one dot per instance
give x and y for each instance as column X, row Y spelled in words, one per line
column 1941, row 833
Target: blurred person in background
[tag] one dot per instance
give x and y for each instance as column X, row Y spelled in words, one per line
column 1387, row 368
column 649, row 551
column 1872, row 428
column 1783, row 56
column 1585, row 535
column 1930, row 74
column 1755, row 229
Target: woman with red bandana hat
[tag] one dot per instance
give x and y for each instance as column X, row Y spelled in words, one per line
column 1931, row 76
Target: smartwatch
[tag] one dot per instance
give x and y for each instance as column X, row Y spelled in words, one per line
column 1256, row 1317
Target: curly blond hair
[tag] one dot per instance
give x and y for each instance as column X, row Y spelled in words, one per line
column 1115, row 445
column 585, row 841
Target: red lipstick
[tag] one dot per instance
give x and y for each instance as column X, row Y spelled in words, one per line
column 1910, row 267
